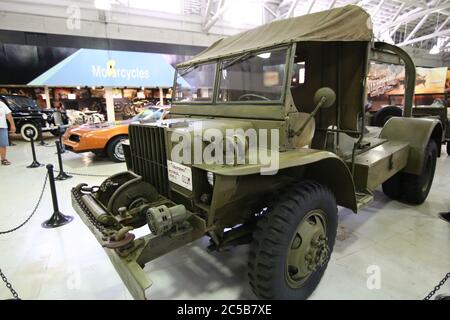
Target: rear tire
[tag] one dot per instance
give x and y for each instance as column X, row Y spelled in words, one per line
column 114, row 149
column 392, row 186
column 285, row 262
column 412, row 188
column 415, row 188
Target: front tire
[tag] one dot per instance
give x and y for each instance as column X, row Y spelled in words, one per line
column 293, row 242
column 114, row 150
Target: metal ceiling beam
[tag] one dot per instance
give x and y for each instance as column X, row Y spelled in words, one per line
column 363, row 2
column 332, row 4
column 420, row 4
column 397, row 13
column 377, row 9
column 443, row 24
column 443, row 33
column 418, row 13
column 207, row 12
column 310, row 6
column 417, row 27
column 221, row 8
column 290, row 12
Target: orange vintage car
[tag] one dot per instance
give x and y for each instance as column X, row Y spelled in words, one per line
column 106, row 138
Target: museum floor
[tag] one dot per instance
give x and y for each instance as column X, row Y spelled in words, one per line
column 410, row 245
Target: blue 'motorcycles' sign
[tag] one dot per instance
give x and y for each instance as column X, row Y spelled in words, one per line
column 91, row 67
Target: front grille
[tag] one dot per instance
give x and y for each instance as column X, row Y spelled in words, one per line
column 148, row 155
column 74, row 138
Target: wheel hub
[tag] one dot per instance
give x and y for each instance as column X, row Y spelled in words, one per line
column 309, row 249
column 119, row 150
column 318, row 253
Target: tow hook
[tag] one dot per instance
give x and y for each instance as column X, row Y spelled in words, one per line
column 119, row 239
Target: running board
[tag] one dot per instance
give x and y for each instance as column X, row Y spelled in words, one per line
column 363, row 199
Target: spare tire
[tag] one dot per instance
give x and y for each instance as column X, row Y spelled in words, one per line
column 384, row 114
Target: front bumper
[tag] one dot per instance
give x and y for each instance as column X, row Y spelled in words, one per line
column 130, row 258
column 125, row 263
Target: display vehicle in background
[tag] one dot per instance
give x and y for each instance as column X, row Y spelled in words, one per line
column 77, row 117
column 423, row 108
column 29, row 117
column 301, row 78
column 107, row 137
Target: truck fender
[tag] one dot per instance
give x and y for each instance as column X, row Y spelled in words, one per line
column 334, row 173
column 321, row 166
column 417, row 132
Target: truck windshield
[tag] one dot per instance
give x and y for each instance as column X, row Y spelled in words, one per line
column 195, row 83
column 253, row 77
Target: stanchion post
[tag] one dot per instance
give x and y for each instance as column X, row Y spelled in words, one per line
column 57, row 219
column 41, row 137
column 60, row 140
column 62, row 175
column 35, row 163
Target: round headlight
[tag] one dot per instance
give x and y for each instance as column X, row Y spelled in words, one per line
column 210, row 178
column 44, row 116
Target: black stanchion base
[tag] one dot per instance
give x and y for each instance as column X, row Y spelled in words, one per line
column 56, row 220
column 62, row 176
column 35, row 164
column 445, row 216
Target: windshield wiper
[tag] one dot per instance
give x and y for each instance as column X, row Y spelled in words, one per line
column 240, row 58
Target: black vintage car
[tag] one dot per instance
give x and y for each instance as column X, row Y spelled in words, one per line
column 28, row 116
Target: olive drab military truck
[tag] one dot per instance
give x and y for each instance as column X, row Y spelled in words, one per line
column 299, row 84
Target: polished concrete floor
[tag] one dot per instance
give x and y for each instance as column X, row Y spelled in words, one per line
column 387, row 251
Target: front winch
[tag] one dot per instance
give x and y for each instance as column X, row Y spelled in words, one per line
column 162, row 218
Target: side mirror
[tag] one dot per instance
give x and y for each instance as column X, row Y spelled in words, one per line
column 325, row 97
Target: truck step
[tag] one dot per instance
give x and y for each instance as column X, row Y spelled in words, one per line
column 363, row 199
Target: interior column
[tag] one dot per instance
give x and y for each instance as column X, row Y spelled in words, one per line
column 161, row 96
column 110, row 114
column 47, row 97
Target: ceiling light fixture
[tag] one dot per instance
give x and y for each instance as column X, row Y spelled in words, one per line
column 434, row 50
column 102, row 4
